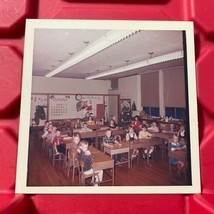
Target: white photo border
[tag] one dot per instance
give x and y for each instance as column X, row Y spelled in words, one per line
column 23, row 145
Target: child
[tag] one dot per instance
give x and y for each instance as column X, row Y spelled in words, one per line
column 90, row 121
column 58, row 143
column 86, row 129
column 144, row 134
column 153, row 127
column 109, row 140
column 47, row 131
column 75, row 142
column 131, row 136
column 175, row 145
column 170, row 128
column 49, row 140
column 112, row 124
column 136, row 123
column 78, row 124
column 86, row 157
column 181, row 133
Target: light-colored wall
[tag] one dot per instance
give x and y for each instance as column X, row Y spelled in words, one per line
column 129, row 88
column 71, row 86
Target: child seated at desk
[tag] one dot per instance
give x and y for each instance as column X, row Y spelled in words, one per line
column 75, row 141
column 78, row 124
column 144, row 134
column 170, row 128
column 175, row 145
column 136, row 124
column 86, row 129
column 109, row 140
column 112, row 124
column 58, row 143
column 86, row 157
column 90, row 121
column 182, row 133
column 153, row 127
column 131, row 136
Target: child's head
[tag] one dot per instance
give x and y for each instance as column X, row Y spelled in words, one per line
column 108, row 133
column 144, row 127
column 50, row 127
column 90, row 118
column 58, row 132
column 171, row 125
column 54, row 129
column 154, row 124
column 182, row 128
column 175, row 138
column 131, row 130
column 85, row 125
column 46, row 123
column 78, row 120
column 76, row 138
column 135, row 118
column 112, row 122
column 83, row 145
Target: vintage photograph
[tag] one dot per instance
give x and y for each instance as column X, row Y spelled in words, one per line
column 108, row 107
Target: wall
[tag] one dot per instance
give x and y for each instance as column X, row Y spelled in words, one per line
column 71, row 86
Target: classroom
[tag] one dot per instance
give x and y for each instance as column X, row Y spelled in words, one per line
column 128, row 83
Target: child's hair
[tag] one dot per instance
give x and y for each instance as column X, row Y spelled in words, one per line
column 76, row 134
column 83, row 142
column 108, row 130
column 144, row 126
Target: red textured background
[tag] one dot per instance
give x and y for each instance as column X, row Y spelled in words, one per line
column 13, row 14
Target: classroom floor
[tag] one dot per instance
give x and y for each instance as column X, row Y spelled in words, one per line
column 154, row 173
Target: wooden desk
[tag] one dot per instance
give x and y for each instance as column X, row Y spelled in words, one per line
column 143, row 143
column 163, row 135
column 101, row 133
column 102, row 162
column 119, row 149
column 180, row 155
column 88, row 134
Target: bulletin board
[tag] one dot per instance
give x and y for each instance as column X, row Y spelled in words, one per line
column 73, row 106
column 61, row 106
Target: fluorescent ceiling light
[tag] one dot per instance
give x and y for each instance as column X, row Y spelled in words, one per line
column 152, row 61
column 104, row 42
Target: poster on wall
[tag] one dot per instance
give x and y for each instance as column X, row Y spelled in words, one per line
column 87, row 105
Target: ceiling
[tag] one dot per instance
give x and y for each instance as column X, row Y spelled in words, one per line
column 53, row 48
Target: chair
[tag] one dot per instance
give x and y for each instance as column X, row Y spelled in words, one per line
column 57, row 157
column 72, row 164
column 83, row 177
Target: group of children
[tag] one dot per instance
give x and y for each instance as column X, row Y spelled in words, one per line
column 52, row 137
column 177, row 142
column 55, row 142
